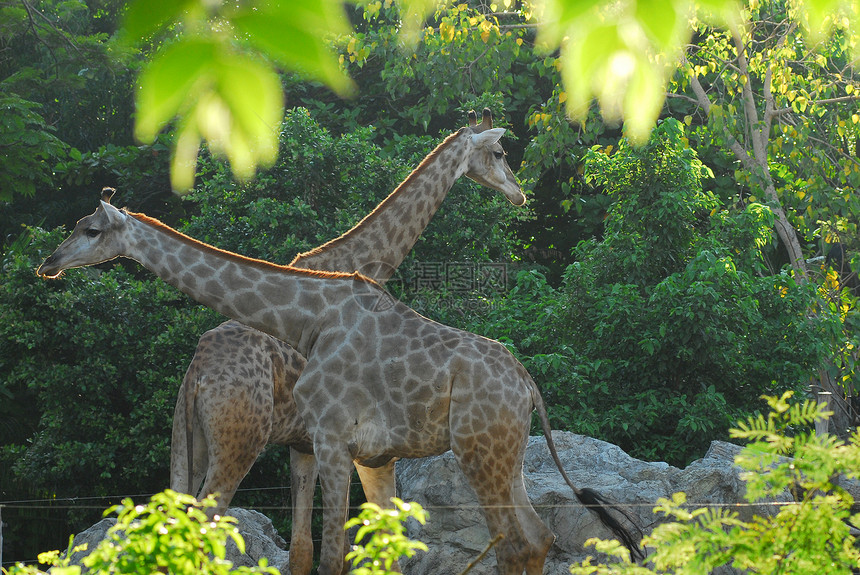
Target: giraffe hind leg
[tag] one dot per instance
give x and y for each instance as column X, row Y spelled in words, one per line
column 303, row 479
column 494, row 470
column 540, row 537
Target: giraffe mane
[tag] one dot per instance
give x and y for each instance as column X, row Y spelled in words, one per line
column 257, row 263
column 384, row 204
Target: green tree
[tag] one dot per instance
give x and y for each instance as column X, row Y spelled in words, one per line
column 671, row 309
column 784, row 109
column 666, row 328
column 29, row 147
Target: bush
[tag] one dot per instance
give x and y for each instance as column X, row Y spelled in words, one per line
column 170, row 534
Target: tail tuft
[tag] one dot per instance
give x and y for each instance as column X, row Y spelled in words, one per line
column 599, row 505
column 590, row 499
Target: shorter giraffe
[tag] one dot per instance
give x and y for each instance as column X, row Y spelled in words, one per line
column 381, row 381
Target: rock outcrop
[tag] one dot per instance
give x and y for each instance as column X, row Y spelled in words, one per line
column 456, row 534
column 455, row 531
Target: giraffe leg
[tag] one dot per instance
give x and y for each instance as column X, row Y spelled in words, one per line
column 303, row 478
column 491, row 479
column 540, row 537
column 379, row 487
column 335, row 469
column 236, row 425
column 226, row 472
column 490, row 448
column 179, row 448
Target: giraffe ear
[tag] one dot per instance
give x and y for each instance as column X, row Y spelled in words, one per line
column 488, row 137
column 114, row 215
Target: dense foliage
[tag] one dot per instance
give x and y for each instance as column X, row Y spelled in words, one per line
column 649, row 290
column 662, row 332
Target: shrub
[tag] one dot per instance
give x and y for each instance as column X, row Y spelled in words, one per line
column 811, row 536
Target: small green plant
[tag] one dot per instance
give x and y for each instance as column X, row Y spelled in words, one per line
column 170, row 534
column 809, row 536
column 59, row 563
column 387, row 541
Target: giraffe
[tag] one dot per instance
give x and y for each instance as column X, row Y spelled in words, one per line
column 236, row 396
column 381, row 381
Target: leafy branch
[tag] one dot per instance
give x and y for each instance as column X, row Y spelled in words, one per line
column 808, row 535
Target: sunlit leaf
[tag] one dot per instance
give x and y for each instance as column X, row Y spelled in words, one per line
column 252, row 92
column 297, row 36
column 232, row 100
column 720, row 12
column 412, row 14
column 820, row 15
column 145, row 17
column 660, row 19
column 643, row 101
column 558, row 16
column 168, row 82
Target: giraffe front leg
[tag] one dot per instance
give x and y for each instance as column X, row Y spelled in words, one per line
column 303, row 478
column 335, row 468
column 379, row 487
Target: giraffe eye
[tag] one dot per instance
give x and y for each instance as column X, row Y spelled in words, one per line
column 498, row 155
column 92, row 232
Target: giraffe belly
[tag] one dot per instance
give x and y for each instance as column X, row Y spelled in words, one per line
column 384, row 433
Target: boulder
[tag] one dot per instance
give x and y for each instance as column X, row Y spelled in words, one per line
column 456, row 533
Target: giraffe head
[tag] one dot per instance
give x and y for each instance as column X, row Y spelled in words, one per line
column 91, row 241
column 487, row 163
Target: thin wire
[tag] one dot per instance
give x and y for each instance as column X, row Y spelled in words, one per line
column 688, row 505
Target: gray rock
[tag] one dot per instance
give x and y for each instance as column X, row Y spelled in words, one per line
column 456, row 533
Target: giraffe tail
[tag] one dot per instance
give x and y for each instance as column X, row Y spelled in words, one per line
column 589, row 498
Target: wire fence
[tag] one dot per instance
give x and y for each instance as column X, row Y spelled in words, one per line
column 89, row 502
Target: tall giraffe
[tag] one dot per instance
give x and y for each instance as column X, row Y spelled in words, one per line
column 381, row 381
column 236, row 396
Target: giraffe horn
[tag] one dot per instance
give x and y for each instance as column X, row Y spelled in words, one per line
column 107, row 194
column 473, row 118
column 487, row 120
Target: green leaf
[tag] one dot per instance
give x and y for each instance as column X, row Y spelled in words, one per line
column 145, row 17
column 232, row 100
column 252, row 93
column 643, row 100
column 297, row 36
column 171, row 79
column 559, row 16
column 659, row 19
column 817, row 14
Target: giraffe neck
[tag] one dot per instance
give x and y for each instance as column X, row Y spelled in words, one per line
column 388, row 233
column 280, row 300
